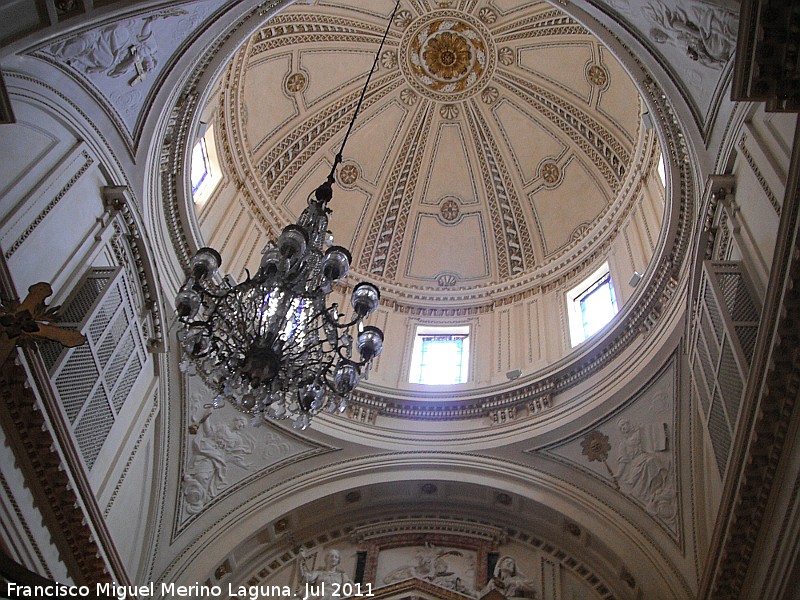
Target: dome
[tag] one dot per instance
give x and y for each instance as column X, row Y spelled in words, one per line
column 498, row 159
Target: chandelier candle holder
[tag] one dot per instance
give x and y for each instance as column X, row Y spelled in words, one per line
column 271, row 345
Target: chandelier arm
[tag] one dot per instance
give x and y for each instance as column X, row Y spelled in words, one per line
column 338, row 158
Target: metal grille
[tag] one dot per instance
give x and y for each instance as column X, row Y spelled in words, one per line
column 112, row 338
column 724, row 339
column 700, row 385
column 713, row 313
column 126, row 382
column 747, row 338
column 94, row 380
column 705, row 361
column 720, row 433
column 94, row 426
column 124, row 350
column 75, row 380
column 736, row 297
column 105, row 312
column 730, row 383
column 83, row 301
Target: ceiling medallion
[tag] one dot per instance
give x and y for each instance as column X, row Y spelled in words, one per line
column 348, row 174
column 296, row 83
column 449, row 210
column 597, row 75
column 447, row 55
column 550, row 173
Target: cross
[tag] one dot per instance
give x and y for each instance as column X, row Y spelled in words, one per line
column 32, row 320
column 137, row 63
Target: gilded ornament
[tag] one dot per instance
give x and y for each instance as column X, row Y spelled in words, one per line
column 449, row 111
column 348, row 174
column 449, row 210
column 296, row 83
column 506, row 56
column 550, row 173
column 447, row 57
column 595, row 446
column 597, row 75
column 487, row 15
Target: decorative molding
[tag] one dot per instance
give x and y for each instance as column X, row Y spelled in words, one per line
column 145, row 428
column 34, row 446
column 742, row 145
column 6, row 110
column 769, row 407
column 88, row 161
column 118, row 200
column 25, row 527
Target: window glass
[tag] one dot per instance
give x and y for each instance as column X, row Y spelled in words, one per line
column 591, row 305
column 200, row 166
column 440, row 356
column 205, row 171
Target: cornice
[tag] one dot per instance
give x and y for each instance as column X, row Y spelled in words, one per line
column 34, row 447
column 769, row 406
column 642, row 319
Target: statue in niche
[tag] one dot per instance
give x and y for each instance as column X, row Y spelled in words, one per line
column 508, row 580
column 214, row 446
column 432, row 566
column 322, row 584
column 644, row 468
column 121, row 48
column 708, row 35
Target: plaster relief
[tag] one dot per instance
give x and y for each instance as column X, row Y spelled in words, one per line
column 122, row 59
column 224, row 450
column 450, row 568
column 634, row 450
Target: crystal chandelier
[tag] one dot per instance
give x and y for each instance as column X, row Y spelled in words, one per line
column 271, row 345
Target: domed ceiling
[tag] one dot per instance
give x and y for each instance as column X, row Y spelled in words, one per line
column 492, row 148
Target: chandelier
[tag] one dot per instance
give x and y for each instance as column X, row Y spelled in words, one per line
column 271, row 345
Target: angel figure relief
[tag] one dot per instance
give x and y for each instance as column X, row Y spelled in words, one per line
column 215, row 445
column 123, row 48
column 707, row 34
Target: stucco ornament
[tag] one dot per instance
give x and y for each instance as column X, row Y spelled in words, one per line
column 510, row 582
column 432, row 566
column 125, row 48
column 644, row 469
column 214, row 446
column 324, row 583
column 707, row 34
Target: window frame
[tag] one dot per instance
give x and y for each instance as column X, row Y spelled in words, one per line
column 416, row 373
column 576, row 297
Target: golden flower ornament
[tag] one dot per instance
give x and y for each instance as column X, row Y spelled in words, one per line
column 596, row 446
column 447, row 56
